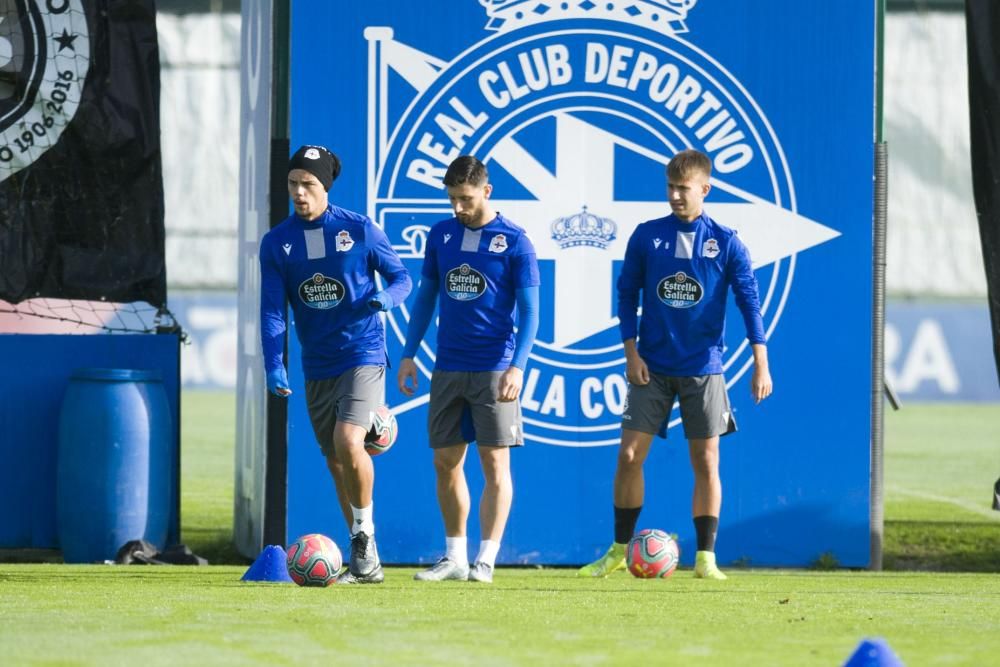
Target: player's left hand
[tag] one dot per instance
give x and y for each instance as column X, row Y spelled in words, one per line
column 760, row 383
column 277, row 382
column 510, row 384
column 379, row 303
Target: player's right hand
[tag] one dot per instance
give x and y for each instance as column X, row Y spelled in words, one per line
column 277, row 382
column 636, row 370
column 407, row 370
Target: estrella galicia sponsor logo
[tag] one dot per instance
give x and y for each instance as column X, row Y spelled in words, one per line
column 680, row 290
column 464, row 283
column 44, row 60
column 579, row 105
column 322, row 292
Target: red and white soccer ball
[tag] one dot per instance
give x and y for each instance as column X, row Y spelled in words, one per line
column 652, row 554
column 383, row 431
column 314, row 560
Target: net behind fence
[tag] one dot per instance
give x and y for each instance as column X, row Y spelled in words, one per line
column 67, row 316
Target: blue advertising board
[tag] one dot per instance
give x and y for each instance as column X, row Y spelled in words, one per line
column 575, row 107
column 940, row 351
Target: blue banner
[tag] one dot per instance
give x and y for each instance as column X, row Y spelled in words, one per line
column 576, row 107
column 940, row 351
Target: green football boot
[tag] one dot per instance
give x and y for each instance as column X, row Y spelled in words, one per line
column 613, row 560
column 705, row 567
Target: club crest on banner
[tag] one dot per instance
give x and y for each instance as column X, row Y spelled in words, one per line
column 576, row 108
column 44, row 60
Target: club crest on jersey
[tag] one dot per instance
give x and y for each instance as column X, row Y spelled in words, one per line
column 498, row 243
column 571, row 103
column 464, row 283
column 344, row 241
column 322, row 292
column 44, row 60
column 680, row 290
column 710, row 249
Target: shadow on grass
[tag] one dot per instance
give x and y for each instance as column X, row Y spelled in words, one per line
column 941, row 546
column 214, row 545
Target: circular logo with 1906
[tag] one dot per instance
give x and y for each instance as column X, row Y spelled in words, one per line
column 44, row 60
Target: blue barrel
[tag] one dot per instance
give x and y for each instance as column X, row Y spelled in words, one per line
column 113, row 470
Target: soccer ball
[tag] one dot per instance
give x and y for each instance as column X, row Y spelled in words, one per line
column 652, row 554
column 383, row 431
column 314, row 560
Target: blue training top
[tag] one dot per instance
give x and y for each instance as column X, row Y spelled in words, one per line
column 684, row 270
column 326, row 269
column 480, row 274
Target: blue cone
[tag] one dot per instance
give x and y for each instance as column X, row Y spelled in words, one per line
column 269, row 566
column 873, row 653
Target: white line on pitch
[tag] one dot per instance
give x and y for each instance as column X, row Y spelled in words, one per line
column 967, row 506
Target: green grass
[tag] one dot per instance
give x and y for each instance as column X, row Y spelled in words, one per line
column 208, row 455
column 941, row 462
column 144, row 615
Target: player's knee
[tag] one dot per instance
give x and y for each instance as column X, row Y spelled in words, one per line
column 496, row 476
column 348, row 437
column 629, row 458
column 447, row 463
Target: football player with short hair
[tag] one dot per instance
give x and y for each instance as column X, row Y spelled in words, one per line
column 684, row 265
column 478, row 266
column 323, row 259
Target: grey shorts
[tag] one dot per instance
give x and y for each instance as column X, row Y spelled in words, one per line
column 464, row 407
column 705, row 409
column 350, row 397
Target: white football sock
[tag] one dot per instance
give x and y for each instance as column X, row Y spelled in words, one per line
column 457, row 550
column 488, row 552
column 363, row 522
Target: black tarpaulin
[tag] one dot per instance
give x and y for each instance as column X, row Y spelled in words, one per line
column 983, row 34
column 81, row 193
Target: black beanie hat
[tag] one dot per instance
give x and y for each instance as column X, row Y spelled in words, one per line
column 319, row 162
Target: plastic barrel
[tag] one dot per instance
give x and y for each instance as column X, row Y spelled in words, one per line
column 113, row 471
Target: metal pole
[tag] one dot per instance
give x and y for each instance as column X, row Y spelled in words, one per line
column 276, row 468
column 879, row 221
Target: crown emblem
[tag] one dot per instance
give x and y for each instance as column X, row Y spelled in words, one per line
column 584, row 229
column 666, row 16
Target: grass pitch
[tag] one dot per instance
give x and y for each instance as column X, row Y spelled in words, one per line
column 941, row 462
column 162, row 615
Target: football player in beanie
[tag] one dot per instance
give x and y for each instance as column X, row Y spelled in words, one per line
column 684, row 264
column 322, row 260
